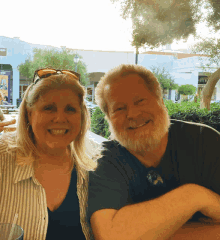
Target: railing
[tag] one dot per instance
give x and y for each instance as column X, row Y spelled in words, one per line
column 96, row 140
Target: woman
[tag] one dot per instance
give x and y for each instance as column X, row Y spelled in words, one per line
column 43, row 166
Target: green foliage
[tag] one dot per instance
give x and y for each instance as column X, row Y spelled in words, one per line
column 209, row 47
column 53, row 58
column 182, row 107
column 99, row 124
column 190, row 111
column 157, row 22
column 187, row 89
column 186, row 111
column 165, row 79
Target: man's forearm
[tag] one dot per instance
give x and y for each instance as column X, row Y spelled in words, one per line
column 158, row 218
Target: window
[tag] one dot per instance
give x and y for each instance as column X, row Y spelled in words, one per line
column 22, row 89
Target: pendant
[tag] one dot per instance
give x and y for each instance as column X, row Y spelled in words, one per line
column 154, row 178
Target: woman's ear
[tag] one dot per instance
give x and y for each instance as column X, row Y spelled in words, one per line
column 29, row 117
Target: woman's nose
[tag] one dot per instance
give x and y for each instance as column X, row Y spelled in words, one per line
column 60, row 116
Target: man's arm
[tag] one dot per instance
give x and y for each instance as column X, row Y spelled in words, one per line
column 156, row 219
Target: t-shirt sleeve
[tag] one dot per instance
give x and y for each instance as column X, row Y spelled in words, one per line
column 199, row 156
column 108, row 185
column 211, row 155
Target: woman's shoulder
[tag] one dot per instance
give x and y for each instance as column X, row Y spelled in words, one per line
column 7, row 141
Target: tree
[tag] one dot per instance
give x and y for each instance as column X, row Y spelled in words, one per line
column 55, row 59
column 187, row 89
column 165, row 79
column 159, row 22
column 211, row 48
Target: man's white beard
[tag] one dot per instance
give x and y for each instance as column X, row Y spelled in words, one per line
column 147, row 140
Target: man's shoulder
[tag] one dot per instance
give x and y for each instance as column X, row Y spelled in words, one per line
column 191, row 130
column 112, row 146
column 116, row 162
column 113, row 152
column 197, row 127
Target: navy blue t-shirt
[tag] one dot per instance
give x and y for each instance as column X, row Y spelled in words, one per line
column 64, row 222
column 192, row 156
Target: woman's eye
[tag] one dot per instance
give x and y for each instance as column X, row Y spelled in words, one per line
column 48, row 108
column 71, row 109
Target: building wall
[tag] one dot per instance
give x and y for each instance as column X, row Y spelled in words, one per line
column 150, row 60
column 103, row 61
column 184, row 70
column 187, row 71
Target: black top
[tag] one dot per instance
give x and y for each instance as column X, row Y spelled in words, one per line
column 64, row 223
column 192, row 156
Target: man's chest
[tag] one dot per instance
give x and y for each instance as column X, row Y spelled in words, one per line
column 150, row 184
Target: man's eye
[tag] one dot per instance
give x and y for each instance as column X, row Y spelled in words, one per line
column 119, row 109
column 140, row 101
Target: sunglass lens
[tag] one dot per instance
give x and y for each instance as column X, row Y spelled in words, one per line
column 43, row 72
column 70, row 74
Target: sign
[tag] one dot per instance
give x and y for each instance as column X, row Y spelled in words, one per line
column 3, row 86
column 3, row 51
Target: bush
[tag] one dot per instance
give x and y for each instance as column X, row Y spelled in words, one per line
column 187, row 89
column 186, row 111
column 99, row 124
column 191, row 112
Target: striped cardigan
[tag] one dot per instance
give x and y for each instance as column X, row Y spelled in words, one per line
column 20, row 192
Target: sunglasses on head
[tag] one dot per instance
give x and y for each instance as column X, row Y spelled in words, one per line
column 46, row 72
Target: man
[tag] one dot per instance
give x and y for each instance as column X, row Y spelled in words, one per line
column 157, row 173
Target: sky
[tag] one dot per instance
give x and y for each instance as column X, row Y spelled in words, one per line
column 76, row 24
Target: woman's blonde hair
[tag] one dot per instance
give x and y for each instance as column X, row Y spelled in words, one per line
column 121, row 71
column 25, row 142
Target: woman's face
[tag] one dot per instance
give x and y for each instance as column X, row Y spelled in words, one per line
column 56, row 120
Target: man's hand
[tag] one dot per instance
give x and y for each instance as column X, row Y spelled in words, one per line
column 211, row 206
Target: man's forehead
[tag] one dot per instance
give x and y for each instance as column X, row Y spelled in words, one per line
column 133, row 85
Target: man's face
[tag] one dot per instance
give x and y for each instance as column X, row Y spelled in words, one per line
column 137, row 119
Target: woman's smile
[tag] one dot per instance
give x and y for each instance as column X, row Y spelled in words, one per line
column 58, row 131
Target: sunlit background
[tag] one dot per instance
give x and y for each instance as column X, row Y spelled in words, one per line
column 84, row 24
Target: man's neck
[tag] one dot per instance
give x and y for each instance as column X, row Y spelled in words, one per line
column 152, row 158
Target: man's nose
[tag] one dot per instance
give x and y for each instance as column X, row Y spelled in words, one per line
column 133, row 112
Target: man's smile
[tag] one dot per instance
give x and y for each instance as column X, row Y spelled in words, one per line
column 139, row 125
